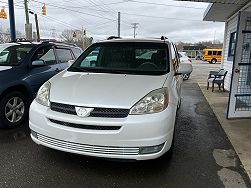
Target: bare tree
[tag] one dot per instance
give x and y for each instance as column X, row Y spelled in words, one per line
column 5, row 35
column 67, row 36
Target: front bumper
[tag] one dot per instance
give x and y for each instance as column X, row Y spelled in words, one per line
column 136, row 132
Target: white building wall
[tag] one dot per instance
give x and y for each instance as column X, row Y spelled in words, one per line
column 231, row 26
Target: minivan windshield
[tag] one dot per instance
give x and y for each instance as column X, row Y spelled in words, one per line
column 12, row 54
column 124, row 58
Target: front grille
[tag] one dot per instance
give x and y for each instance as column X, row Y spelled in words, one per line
column 91, row 127
column 63, row 108
column 97, row 112
column 92, row 149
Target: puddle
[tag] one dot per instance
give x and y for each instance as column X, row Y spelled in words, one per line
column 202, row 108
column 225, row 158
column 231, row 179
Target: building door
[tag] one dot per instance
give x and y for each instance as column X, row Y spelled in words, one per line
column 240, row 94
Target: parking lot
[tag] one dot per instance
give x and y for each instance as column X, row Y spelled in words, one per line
column 203, row 155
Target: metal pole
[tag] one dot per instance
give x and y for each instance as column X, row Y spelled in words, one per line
column 83, row 38
column 12, row 21
column 28, row 26
column 134, row 26
column 26, row 12
column 118, row 24
column 37, row 27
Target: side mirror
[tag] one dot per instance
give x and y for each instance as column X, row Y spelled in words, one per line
column 38, row 63
column 70, row 62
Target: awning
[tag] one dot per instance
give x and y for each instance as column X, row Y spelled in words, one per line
column 221, row 10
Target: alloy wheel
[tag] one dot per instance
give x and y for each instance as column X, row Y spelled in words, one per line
column 14, row 109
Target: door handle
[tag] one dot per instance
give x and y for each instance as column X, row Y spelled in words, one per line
column 57, row 70
column 237, row 70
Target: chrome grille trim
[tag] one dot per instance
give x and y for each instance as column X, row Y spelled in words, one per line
column 83, row 126
column 108, row 150
column 97, row 112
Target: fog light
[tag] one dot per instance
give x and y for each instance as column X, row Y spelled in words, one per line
column 34, row 134
column 151, row 149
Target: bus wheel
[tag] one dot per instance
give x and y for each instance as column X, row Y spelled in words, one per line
column 213, row 61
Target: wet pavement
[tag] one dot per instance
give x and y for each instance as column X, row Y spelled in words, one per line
column 203, row 157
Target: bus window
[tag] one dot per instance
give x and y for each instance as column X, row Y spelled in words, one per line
column 209, row 52
column 214, row 52
column 219, row 53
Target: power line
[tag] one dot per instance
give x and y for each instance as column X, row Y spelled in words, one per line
column 162, row 4
column 63, row 8
column 142, row 15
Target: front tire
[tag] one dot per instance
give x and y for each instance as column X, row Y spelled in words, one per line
column 13, row 109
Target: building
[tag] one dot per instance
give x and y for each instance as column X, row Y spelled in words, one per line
column 236, row 51
column 193, row 51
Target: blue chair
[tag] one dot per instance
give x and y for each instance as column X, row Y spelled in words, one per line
column 217, row 77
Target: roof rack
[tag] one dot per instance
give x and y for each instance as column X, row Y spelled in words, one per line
column 18, row 40
column 58, row 42
column 163, row 38
column 113, row 37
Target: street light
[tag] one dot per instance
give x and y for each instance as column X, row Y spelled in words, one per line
column 37, row 26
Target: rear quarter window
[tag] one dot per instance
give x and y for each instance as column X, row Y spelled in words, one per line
column 77, row 52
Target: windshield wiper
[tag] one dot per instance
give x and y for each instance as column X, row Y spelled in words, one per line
column 77, row 69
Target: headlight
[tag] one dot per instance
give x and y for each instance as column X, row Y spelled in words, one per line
column 154, row 102
column 43, row 94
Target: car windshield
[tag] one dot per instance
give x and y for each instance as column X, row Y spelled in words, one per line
column 11, row 55
column 124, row 58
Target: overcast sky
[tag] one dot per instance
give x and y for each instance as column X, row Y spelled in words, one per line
column 179, row 21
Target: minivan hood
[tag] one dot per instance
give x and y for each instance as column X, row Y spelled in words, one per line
column 102, row 89
column 2, row 68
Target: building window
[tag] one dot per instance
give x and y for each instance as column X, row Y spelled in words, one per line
column 232, row 44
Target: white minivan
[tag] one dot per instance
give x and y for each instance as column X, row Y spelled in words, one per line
column 120, row 104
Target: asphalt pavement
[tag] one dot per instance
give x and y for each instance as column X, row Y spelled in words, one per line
column 203, row 157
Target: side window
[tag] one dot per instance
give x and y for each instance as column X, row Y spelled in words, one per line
column 209, row 52
column 232, row 44
column 4, row 56
column 219, row 53
column 175, row 61
column 64, row 55
column 46, row 54
column 214, row 52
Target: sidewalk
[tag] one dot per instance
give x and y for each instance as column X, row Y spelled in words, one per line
column 238, row 131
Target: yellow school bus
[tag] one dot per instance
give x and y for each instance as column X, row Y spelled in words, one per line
column 212, row 55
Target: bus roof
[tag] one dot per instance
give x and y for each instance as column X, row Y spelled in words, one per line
column 212, row 49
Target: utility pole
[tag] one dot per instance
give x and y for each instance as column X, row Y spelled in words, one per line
column 37, row 26
column 28, row 26
column 83, row 37
column 134, row 26
column 12, row 21
column 214, row 36
column 118, row 24
column 53, row 33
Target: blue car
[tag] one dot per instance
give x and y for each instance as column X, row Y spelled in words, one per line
column 24, row 67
